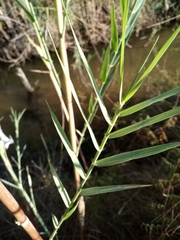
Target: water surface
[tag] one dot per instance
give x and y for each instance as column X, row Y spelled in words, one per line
column 36, row 119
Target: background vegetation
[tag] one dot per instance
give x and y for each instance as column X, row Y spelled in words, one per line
column 90, row 19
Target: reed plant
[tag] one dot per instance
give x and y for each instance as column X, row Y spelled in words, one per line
column 113, row 62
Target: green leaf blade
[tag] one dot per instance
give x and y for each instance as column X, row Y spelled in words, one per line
column 114, row 33
column 136, row 154
column 55, row 221
column 90, row 108
column 149, row 102
column 105, row 65
column 108, row 189
column 152, row 65
column 69, row 213
column 66, row 143
column 9, row 184
column 109, row 79
column 93, row 138
column 24, row 7
column 138, row 72
column 91, row 76
column 61, row 189
column 90, row 105
column 145, row 123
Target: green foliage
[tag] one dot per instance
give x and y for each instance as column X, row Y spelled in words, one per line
column 18, row 181
column 166, row 210
column 60, row 187
column 114, row 59
column 67, row 144
column 114, row 32
column 144, row 123
column 105, row 64
column 109, row 189
column 136, row 154
column 164, row 9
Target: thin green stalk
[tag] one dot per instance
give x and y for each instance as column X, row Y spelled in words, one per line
column 20, row 187
column 124, row 12
column 89, row 120
column 30, row 187
column 15, row 118
column 103, row 89
column 34, row 209
column 8, row 164
column 78, row 192
column 18, row 150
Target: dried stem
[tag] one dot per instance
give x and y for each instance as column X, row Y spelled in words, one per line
column 72, row 129
column 12, row 205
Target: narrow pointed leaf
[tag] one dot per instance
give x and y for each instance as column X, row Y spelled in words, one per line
column 80, row 108
column 137, row 7
column 14, row 160
column 122, row 5
column 24, row 7
column 149, row 102
column 90, row 105
column 70, row 212
column 55, row 221
column 145, row 123
column 130, row 27
column 108, row 81
column 91, row 76
column 136, row 154
column 108, row 189
column 78, row 102
column 140, row 69
column 152, row 65
column 9, row 183
column 93, row 138
column 61, row 189
column 124, row 15
column 114, row 32
column 105, row 66
column 66, row 143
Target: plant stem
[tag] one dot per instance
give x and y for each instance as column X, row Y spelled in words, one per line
column 72, row 128
column 45, row 55
column 12, row 205
column 21, row 188
column 98, row 153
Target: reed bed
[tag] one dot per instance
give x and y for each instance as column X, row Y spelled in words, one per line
column 90, row 20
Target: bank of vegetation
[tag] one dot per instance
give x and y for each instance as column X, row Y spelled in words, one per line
column 91, row 23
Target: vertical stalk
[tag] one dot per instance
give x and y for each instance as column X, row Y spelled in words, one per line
column 45, row 55
column 72, row 129
column 18, row 152
column 88, row 174
column 20, row 187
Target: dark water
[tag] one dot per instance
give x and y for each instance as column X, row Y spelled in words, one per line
column 36, row 119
